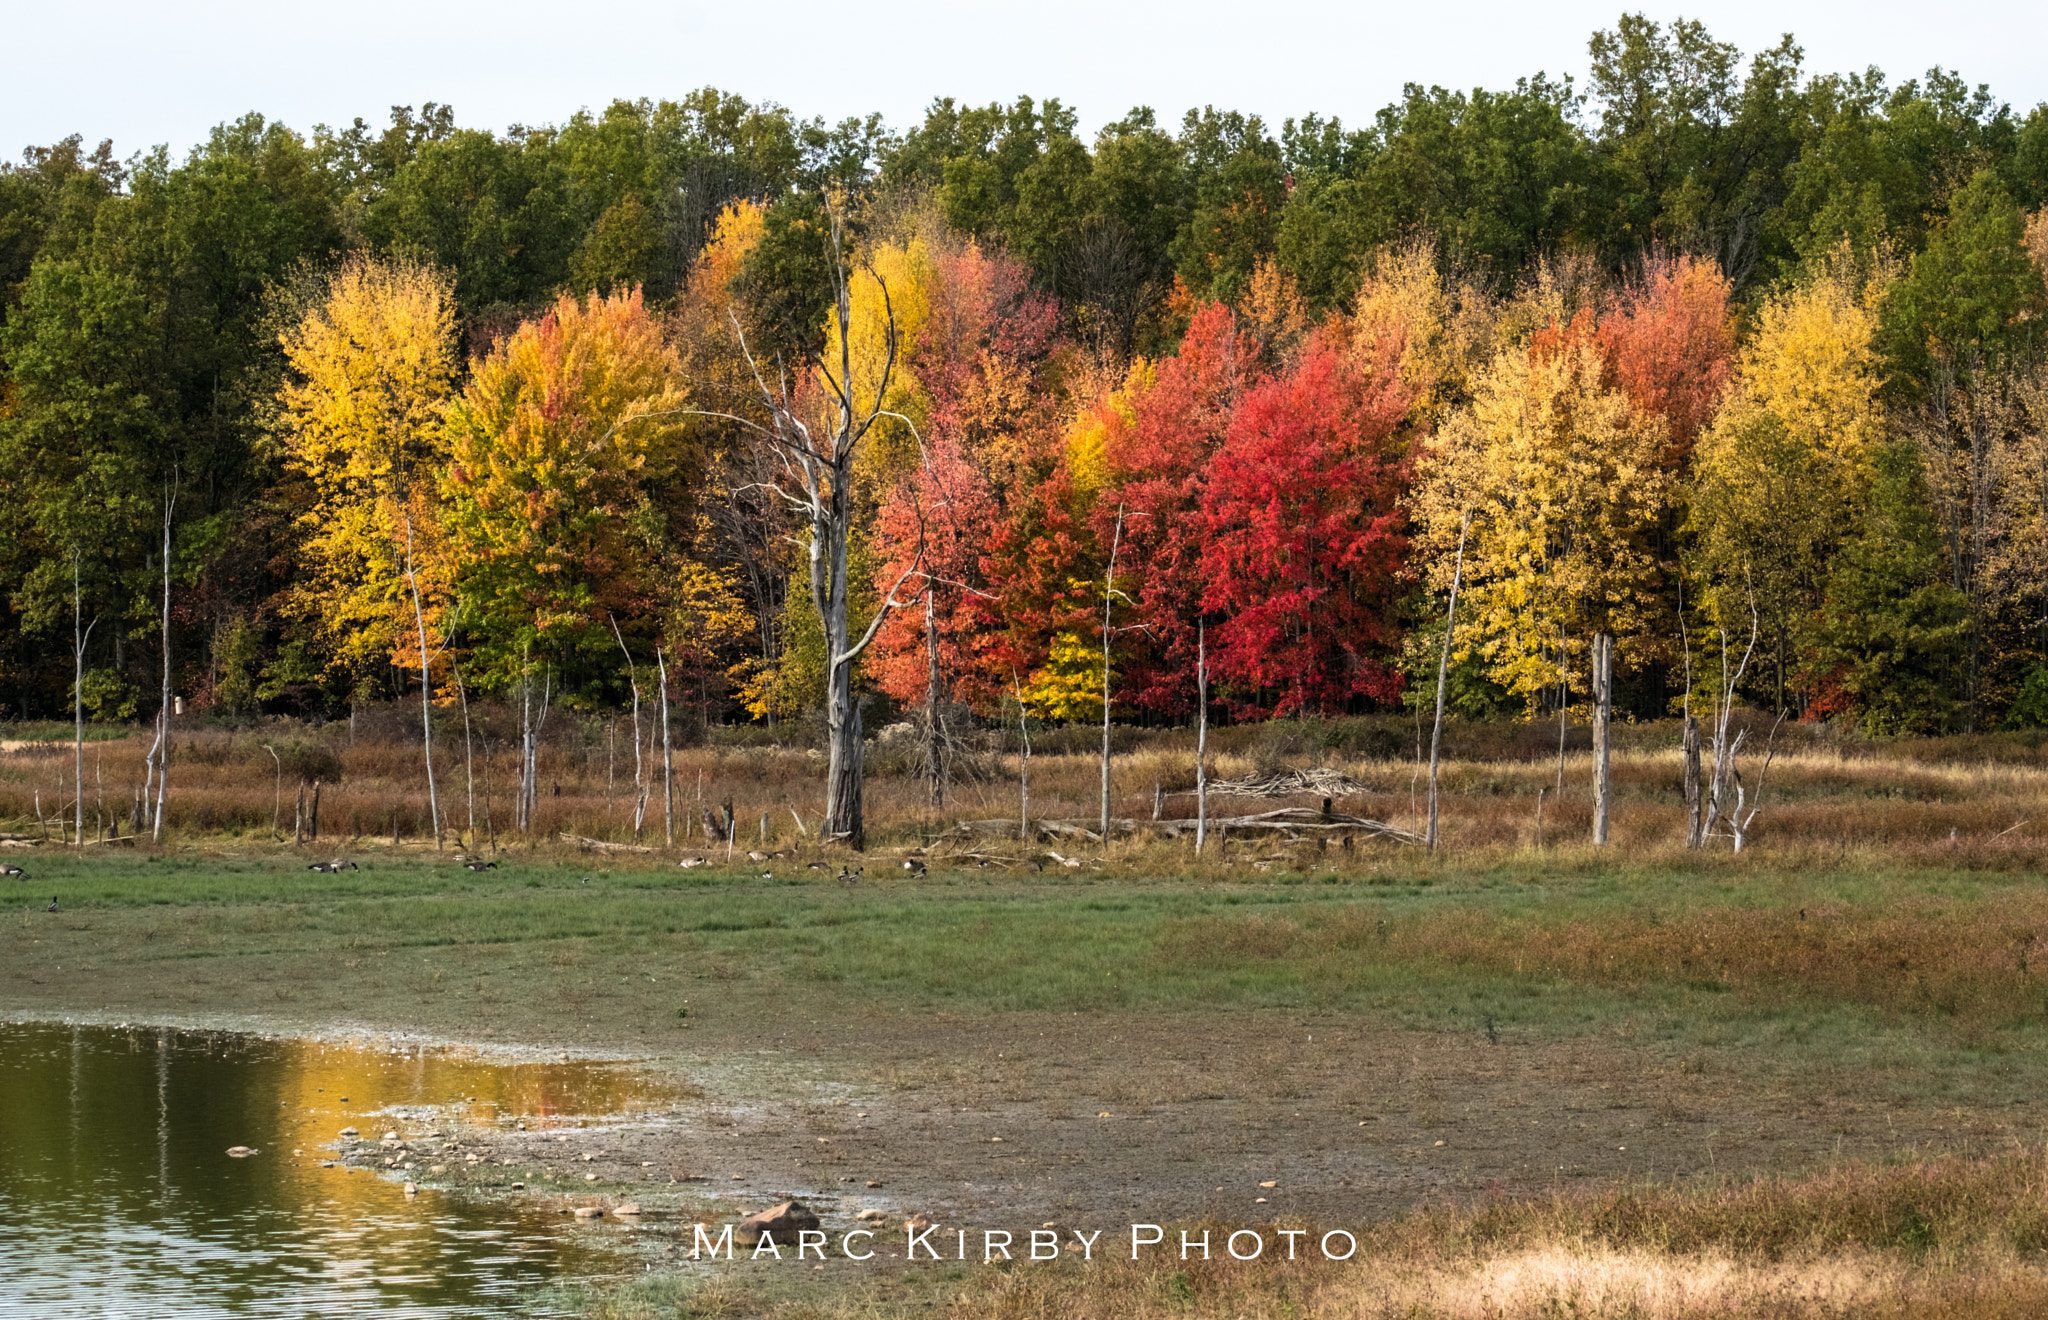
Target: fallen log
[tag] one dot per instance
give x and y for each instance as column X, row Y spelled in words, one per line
column 599, row 845
column 1301, row 818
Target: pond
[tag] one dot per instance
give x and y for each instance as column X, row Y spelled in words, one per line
column 118, row 1197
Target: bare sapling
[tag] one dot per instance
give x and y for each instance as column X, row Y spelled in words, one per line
column 1603, row 724
column 1109, row 595
column 156, row 765
column 1443, row 673
column 419, row 615
column 639, row 765
column 1727, row 775
column 668, row 760
column 81, row 633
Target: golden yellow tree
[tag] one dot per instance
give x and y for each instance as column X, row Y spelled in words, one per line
column 1781, row 476
column 1561, row 482
column 372, row 367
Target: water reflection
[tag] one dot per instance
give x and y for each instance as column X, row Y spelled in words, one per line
column 119, row 1199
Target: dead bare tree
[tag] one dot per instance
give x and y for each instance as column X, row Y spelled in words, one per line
column 1443, row 672
column 813, row 435
column 1727, row 774
column 156, row 765
column 81, row 633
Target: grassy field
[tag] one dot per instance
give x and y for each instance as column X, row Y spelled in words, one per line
column 1808, row 1080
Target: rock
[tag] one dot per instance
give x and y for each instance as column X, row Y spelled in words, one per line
column 590, row 1177
column 412, row 1189
column 872, row 1216
column 1274, row 1183
column 518, row 1187
column 629, row 1208
column 241, row 1152
column 350, row 1132
column 916, row 1224
column 390, row 1136
column 873, row 1183
column 327, row 1164
column 589, row 1212
column 784, row 1221
column 437, row 1168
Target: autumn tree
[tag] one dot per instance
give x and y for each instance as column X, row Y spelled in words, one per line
column 1306, row 537
column 1564, row 485
column 1781, row 477
column 571, row 466
column 361, row 425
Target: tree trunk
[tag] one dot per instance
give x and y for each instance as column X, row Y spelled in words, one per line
column 1695, row 823
column 1443, row 673
column 668, row 759
column 1603, row 715
column 313, row 816
column 419, row 615
column 1201, row 734
column 468, row 749
column 1108, row 599
column 162, row 750
column 934, row 741
column 79, row 632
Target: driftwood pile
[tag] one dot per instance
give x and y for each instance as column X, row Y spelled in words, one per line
column 1319, row 782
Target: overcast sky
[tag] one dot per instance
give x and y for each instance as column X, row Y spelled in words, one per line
column 166, row 70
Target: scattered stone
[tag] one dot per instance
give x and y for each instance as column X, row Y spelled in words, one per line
column 784, row 1221
column 874, row 1184
column 872, row 1216
column 241, row 1152
column 437, row 1168
column 995, row 1138
column 1439, row 1143
column 1276, row 1182
column 589, row 1212
column 390, row 1136
column 629, row 1208
column 1258, row 1200
column 916, row 1224
column 350, row 1132
column 518, row 1187
column 412, row 1189
column 590, row 1177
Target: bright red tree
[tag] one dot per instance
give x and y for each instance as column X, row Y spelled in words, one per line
column 1306, row 537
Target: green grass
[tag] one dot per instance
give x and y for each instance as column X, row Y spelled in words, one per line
column 1705, row 959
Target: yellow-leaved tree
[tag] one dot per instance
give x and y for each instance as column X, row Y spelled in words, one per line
column 1780, row 478
column 373, row 366
column 1561, row 482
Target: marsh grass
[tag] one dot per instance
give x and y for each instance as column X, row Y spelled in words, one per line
column 1943, row 1238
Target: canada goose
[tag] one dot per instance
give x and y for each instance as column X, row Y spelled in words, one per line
column 754, row 855
column 53, row 904
column 479, row 866
column 14, row 871
column 690, row 862
column 914, row 866
column 335, row 867
column 783, row 852
column 817, row 866
column 850, row 878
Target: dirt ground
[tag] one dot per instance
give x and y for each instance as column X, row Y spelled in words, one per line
column 1098, row 1124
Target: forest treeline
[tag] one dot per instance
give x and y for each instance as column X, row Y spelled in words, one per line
column 1718, row 357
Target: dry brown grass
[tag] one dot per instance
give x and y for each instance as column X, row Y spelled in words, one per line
column 1969, row 802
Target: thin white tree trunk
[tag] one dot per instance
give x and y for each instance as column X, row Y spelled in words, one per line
column 668, row 759
column 1443, row 673
column 639, row 767
column 419, row 615
column 468, row 749
column 1603, row 724
column 1108, row 599
column 163, row 744
column 80, row 631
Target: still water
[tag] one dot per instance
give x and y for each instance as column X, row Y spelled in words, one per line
column 117, row 1197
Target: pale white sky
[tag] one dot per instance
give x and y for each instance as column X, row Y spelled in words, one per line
column 148, row 71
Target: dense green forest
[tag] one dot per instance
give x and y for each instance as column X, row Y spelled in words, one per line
column 1713, row 354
